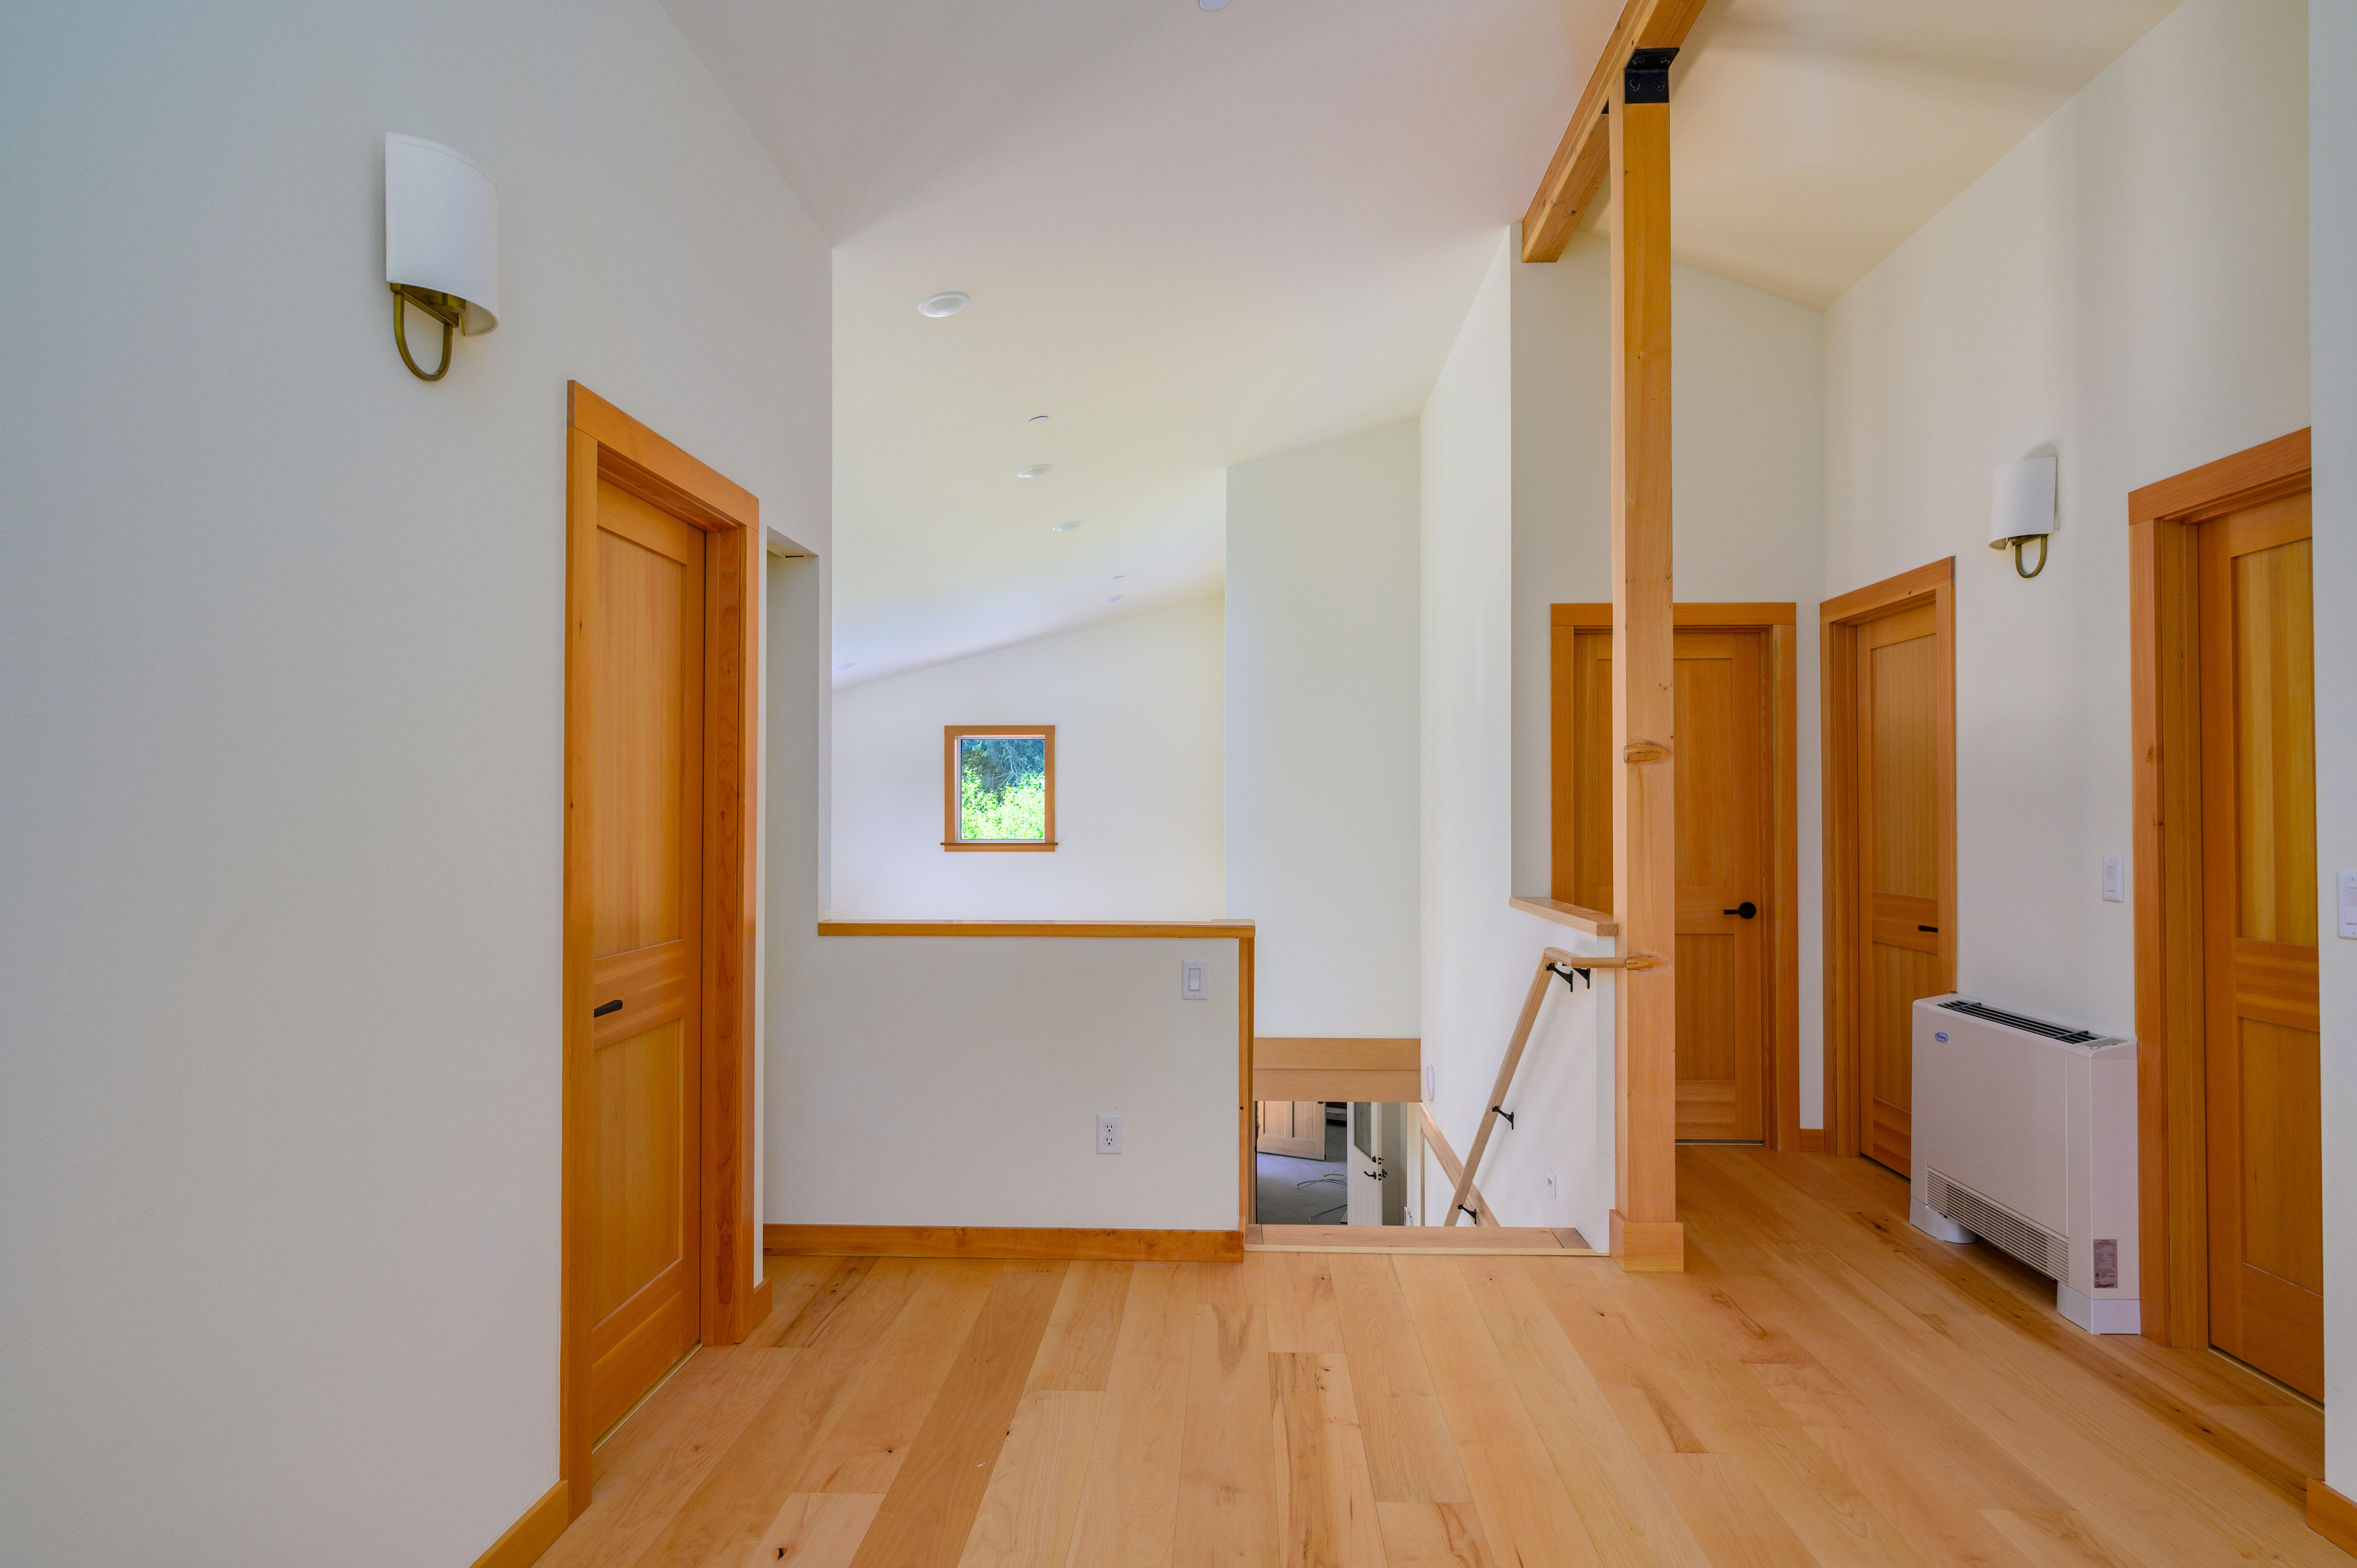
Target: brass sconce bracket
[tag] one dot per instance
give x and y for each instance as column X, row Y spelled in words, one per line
column 447, row 309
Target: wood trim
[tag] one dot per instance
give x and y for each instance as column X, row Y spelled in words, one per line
column 950, row 735
column 1837, row 699
column 1649, row 1246
column 1001, row 1241
column 1305, row 1068
column 1247, row 1157
column 1452, row 1167
column 1209, row 929
column 1577, row 172
column 1809, row 1141
column 2332, row 1515
column 1782, row 993
column 1421, row 1240
column 603, row 443
column 1717, row 614
column 2166, row 883
column 1595, row 922
column 532, row 1535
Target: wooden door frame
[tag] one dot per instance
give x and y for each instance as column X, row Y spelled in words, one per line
column 1838, row 620
column 603, row 443
column 1782, row 973
column 2164, row 752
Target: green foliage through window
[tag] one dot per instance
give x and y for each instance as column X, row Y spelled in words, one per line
column 1002, row 788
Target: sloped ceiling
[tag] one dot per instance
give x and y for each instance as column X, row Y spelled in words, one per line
column 1195, row 238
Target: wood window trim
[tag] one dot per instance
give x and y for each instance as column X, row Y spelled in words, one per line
column 1838, row 620
column 2164, row 756
column 1784, row 979
column 950, row 735
column 604, row 443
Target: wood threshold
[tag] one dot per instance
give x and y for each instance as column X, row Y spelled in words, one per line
column 1492, row 1241
column 1595, row 922
column 1012, row 1243
column 1216, row 928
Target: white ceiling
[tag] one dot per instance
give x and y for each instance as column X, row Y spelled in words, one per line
column 1195, row 238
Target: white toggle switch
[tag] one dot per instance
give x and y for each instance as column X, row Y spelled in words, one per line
column 2349, row 903
column 2116, row 879
column 1194, row 980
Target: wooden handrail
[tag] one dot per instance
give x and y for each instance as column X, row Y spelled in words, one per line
column 1550, row 960
column 1450, row 1167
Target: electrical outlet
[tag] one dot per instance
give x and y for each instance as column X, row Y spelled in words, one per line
column 1194, row 980
column 1550, row 1180
column 1108, row 1134
column 2116, row 879
column 2348, row 888
column 1431, row 1084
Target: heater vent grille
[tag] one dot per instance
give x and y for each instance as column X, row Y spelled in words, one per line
column 2048, row 1253
column 2016, row 1021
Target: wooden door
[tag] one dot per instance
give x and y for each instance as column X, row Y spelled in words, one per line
column 2259, row 941
column 1723, row 832
column 1899, row 866
column 1295, row 1128
column 647, row 784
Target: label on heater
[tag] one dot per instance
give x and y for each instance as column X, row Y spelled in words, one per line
column 2107, row 1263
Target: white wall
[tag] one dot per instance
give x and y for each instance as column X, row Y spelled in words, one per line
column 1322, row 731
column 956, row 1081
column 2332, row 276
column 1747, row 455
column 2129, row 284
column 281, row 646
column 1136, row 704
column 1478, row 953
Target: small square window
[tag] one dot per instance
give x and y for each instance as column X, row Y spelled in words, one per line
column 999, row 787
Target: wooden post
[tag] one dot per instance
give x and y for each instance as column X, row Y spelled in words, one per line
column 1645, row 1230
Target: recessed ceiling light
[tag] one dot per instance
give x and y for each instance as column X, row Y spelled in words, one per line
column 1119, row 576
column 948, row 303
column 848, row 664
column 1064, row 527
column 1033, row 471
column 1113, row 598
column 1210, row 4
column 1036, row 419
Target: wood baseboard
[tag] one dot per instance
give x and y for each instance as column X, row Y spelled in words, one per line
column 532, row 1534
column 1808, row 1139
column 992, row 1241
column 1649, row 1246
column 2332, row 1516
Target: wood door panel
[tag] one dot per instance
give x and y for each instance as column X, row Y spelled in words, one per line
column 639, row 1163
column 650, row 984
column 1707, row 997
column 2259, row 940
column 1294, row 1128
column 640, row 760
column 638, row 1344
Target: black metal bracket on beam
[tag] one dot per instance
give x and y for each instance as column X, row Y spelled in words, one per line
column 1469, row 1209
column 1501, row 1111
column 1565, row 972
column 1647, row 78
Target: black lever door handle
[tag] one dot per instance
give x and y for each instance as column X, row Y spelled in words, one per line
column 1746, row 909
column 613, row 1006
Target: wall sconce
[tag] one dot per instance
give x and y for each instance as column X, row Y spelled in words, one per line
column 441, row 242
column 2022, row 508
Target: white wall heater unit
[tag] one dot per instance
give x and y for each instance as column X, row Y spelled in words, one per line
column 2024, row 1136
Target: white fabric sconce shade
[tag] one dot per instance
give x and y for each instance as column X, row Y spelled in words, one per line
column 2021, row 507
column 442, row 228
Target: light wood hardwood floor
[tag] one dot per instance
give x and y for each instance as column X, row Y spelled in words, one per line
column 1824, row 1385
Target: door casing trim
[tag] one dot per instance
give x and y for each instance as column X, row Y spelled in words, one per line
column 1838, row 622
column 2165, row 884
column 603, row 443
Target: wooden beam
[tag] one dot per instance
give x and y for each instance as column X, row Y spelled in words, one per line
column 1305, row 1068
column 1645, row 1230
column 1577, row 172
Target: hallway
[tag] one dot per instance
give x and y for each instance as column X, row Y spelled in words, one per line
column 1824, row 1385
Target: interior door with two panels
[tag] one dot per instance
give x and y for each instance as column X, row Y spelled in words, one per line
column 1899, row 896
column 645, row 808
column 2259, row 941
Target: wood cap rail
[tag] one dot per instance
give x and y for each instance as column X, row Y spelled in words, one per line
column 1215, row 928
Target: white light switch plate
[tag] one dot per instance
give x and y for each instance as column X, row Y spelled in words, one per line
column 1108, row 1132
column 1194, row 980
column 1431, row 1084
column 2349, row 903
column 2116, row 879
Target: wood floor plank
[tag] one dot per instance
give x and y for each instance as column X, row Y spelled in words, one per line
column 1227, row 1506
column 1129, row 1499
column 1033, row 1500
column 2059, row 1539
column 1659, row 1417
column 1076, row 1353
column 1734, row 1522
column 1318, row 1320
column 814, row 1530
column 1525, row 1512
column 686, row 1429
column 833, row 1286
column 1410, row 1455
column 1433, row 1535
column 1325, row 1504
column 737, row 1501
column 927, row 1516
column 793, row 1284
column 862, row 1452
